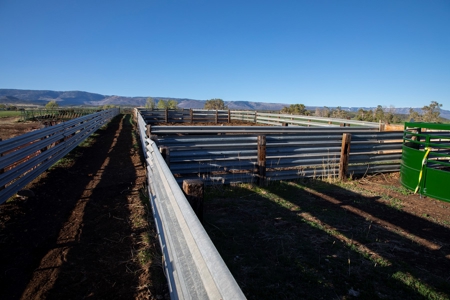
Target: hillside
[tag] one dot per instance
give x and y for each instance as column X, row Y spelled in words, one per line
column 80, row 98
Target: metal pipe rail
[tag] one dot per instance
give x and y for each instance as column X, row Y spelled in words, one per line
column 25, row 157
column 276, row 118
column 222, row 116
column 194, row 268
column 183, row 115
column 195, row 130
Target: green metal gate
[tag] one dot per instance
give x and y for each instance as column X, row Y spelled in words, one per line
column 425, row 166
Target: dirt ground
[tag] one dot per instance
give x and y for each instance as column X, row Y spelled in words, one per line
column 11, row 127
column 368, row 238
column 86, row 232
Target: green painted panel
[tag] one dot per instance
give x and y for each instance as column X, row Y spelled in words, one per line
column 437, row 184
column 409, row 177
column 412, row 158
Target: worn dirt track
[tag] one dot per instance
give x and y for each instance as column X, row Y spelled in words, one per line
column 86, row 232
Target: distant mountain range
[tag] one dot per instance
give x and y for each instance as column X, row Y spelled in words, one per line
column 79, row 98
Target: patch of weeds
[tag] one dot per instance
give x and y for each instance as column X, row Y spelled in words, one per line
column 401, row 190
column 396, row 203
column 144, row 256
column 64, row 162
column 417, row 285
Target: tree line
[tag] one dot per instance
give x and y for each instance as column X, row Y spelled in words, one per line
column 215, row 103
column 430, row 113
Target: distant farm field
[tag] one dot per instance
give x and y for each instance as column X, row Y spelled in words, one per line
column 9, row 113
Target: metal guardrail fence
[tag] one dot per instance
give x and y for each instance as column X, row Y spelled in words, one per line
column 234, row 158
column 297, row 120
column 194, row 268
column 25, row 157
column 184, row 116
column 196, row 130
column 58, row 114
column 226, row 116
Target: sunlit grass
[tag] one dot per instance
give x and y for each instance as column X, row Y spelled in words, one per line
column 418, row 286
column 9, row 113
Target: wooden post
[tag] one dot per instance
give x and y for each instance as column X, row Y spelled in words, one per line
column 191, row 114
column 165, row 153
column 166, row 115
column 284, row 124
column 255, row 119
column 193, row 190
column 382, row 126
column 229, row 116
column 148, row 130
column 217, row 116
column 261, row 159
column 345, row 153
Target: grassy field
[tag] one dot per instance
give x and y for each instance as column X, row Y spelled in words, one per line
column 320, row 240
column 9, row 113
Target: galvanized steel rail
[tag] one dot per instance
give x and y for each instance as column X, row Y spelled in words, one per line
column 195, row 130
column 233, row 158
column 194, row 268
column 223, row 116
column 25, row 157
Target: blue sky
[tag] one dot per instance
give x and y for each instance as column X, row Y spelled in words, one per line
column 325, row 53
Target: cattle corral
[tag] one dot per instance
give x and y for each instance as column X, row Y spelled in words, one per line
column 307, row 238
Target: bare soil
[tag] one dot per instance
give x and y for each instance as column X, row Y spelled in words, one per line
column 86, row 233
column 11, row 127
column 310, row 239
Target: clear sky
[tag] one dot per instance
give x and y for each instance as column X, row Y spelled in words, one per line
column 325, row 53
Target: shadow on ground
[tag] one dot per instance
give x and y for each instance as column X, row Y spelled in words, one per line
column 78, row 238
column 315, row 240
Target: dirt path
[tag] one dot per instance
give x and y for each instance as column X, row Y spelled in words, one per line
column 86, row 232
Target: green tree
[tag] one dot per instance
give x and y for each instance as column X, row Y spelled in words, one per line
column 150, row 103
column 162, row 104
column 172, row 104
column 295, row 109
column 169, row 104
column 215, row 103
column 414, row 115
column 431, row 112
column 339, row 113
column 378, row 113
column 52, row 105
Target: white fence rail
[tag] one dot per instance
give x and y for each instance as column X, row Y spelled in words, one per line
column 194, row 268
column 25, row 157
